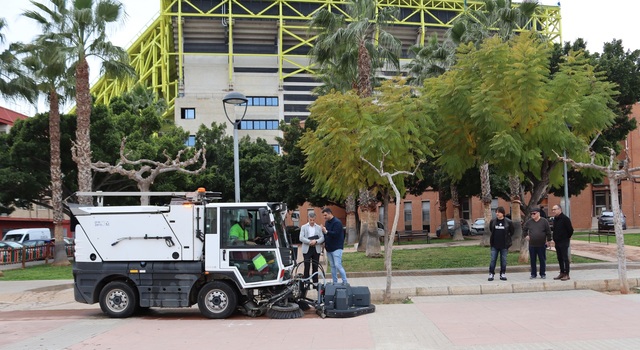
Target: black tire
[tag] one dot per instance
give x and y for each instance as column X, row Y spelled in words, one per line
column 217, row 300
column 118, row 300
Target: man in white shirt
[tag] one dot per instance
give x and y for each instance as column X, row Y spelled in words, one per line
column 311, row 238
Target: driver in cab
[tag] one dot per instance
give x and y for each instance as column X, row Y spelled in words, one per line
column 238, row 233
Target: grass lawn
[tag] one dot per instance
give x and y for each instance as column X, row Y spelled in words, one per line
column 38, row 272
column 437, row 258
column 629, row 238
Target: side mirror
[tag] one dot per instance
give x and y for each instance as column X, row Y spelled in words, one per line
column 265, row 219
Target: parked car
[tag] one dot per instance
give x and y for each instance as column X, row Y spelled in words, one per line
column 466, row 230
column 478, row 225
column 605, row 221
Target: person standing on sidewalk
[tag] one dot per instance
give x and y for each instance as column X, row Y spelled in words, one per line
column 537, row 232
column 312, row 238
column 334, row 242
column 501, row 230
column 562, row 232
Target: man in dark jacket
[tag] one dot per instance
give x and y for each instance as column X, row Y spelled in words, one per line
column 501, row 232
column 536, row 231
column 562, row 232
column 334, row 242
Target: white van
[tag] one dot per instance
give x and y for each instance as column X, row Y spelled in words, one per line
column 24, row 234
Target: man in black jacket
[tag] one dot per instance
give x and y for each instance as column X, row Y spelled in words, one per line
column 562, row 232
column 501, row 232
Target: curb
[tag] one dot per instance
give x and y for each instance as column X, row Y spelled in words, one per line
column 405, row 294
column 483, row 270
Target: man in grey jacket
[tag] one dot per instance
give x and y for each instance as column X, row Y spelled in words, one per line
column 312, row 238
column 537, row 232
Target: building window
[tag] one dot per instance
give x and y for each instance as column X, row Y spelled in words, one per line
column 276, row 148
column 188, row 113
column 494, row 206
column 426, row 216
column 262, row 101
column 466, row 211
column 191, row 141
column 407, row 216
column 259, row 125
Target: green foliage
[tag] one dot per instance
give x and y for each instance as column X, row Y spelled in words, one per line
column 622, row 68
column 496, row 17
column 289, row 183
column 393, row 128
column 13, row 80
column 25, row 158
column 352, row 45
column 501, row 105
column 259, row 166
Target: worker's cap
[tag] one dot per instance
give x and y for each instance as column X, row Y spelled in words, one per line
column 535, row 210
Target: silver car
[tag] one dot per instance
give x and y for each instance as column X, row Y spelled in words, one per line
column 478, row 225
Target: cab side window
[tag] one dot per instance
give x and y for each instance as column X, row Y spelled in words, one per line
column 211, row 220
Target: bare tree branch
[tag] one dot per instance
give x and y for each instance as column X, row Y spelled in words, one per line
column 614, row 173
column 150, row 168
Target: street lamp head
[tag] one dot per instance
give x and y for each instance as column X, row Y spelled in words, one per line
column 234, row 98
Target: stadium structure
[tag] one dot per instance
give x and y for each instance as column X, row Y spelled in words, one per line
column 197, row 51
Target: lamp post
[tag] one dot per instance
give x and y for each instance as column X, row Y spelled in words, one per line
column 235, row 98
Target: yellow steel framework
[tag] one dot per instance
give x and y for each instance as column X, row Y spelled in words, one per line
column 158, row 53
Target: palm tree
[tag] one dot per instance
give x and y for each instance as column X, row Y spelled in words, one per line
column 47, row 63
column 496, row 17
column 81, row 25
column 430, row 60
column 13, row 82
column 352, row 49
column 347, row 54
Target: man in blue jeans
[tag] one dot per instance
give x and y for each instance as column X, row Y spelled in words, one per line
column 537, row 232
column 334, row 242
column 501, row 229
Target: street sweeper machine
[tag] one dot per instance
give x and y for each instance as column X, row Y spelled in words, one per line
column 224, row 257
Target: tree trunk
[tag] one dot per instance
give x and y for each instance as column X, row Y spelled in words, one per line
column 485, row 184
column 352, row 232
column 83, row 138
column 364, row 70
column 444, row 228
column 368, row 227
column 514, row 187
column 388, row 243
column 144, row 186
column 622, row 260
column 540, row 186
column 457, row 226
column 60, row 256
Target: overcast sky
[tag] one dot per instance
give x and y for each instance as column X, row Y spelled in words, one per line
column 596, row 21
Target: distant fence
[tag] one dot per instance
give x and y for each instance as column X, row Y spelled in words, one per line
column 23, row 255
